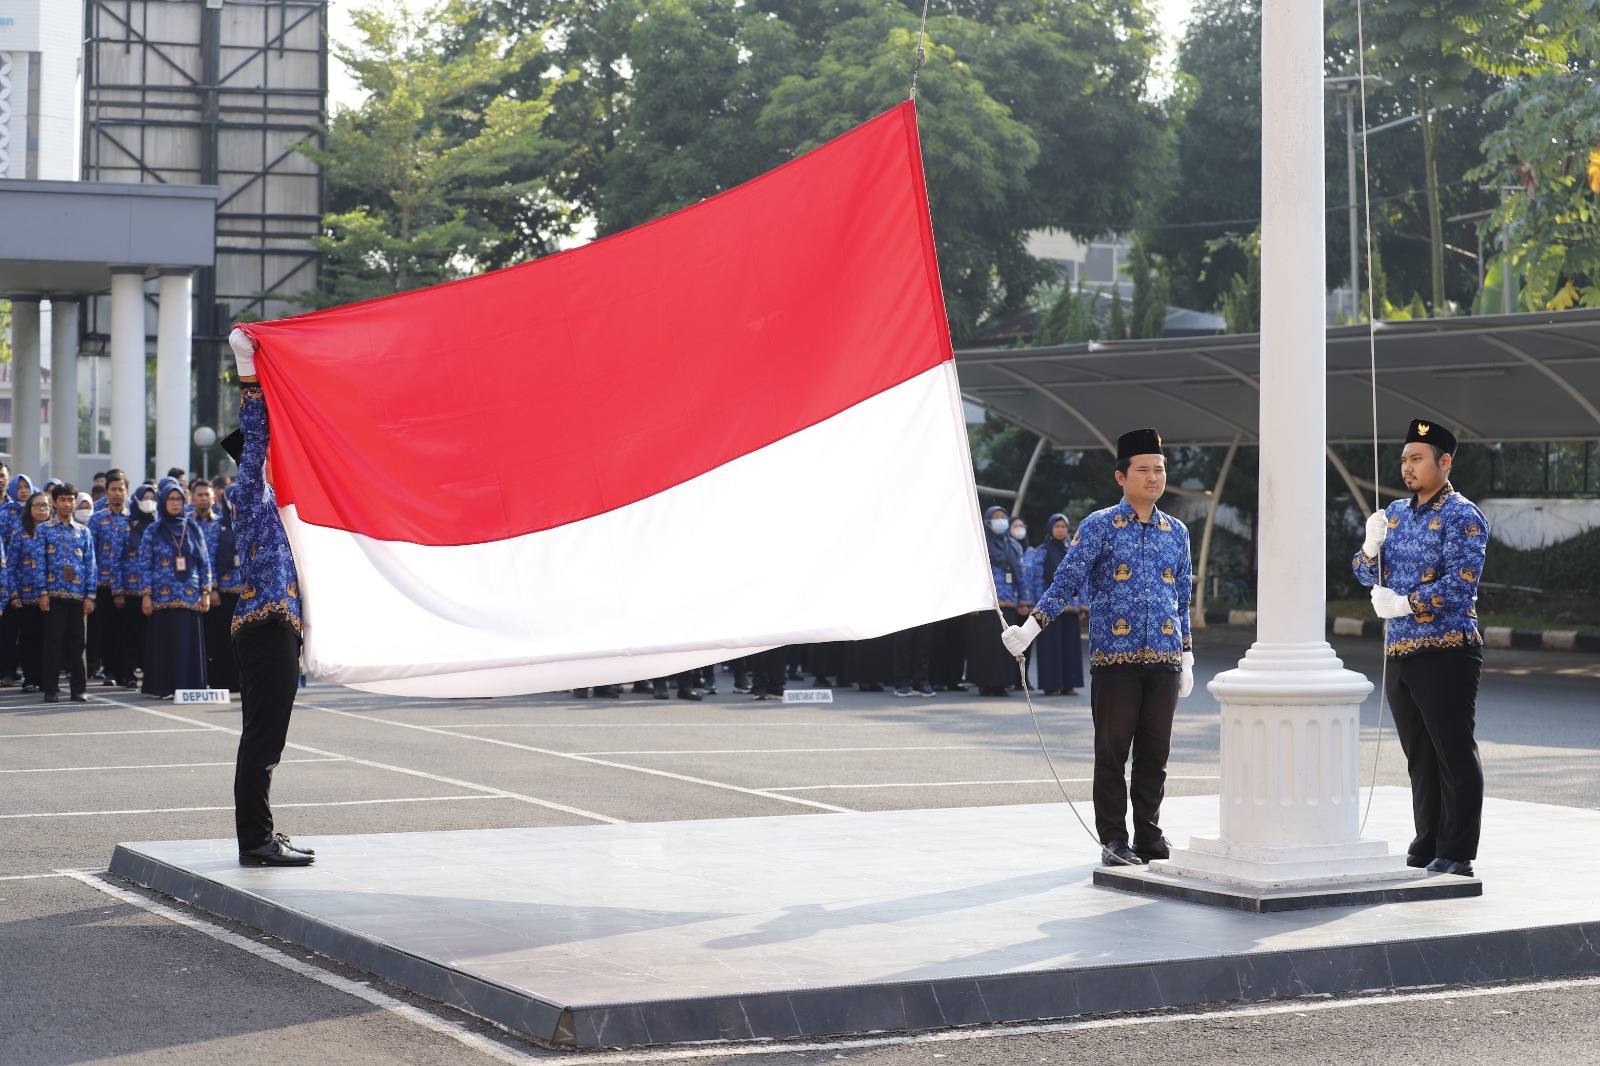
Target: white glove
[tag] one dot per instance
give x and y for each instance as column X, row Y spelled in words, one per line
column 1377, row 533
column 1186, row 679
column 1017, row 638
column 1389, row 604
column 244, row 352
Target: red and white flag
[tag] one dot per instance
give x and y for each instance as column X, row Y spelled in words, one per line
column 733, row 428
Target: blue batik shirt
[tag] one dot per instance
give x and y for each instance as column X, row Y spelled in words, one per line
column 1136, row 577
column 69, row 560
column 25, row 567
column 225, row 564
column 270, row 586
column 1035, row 580
column 1433, row 556
column 110, row 532
column 161, row 578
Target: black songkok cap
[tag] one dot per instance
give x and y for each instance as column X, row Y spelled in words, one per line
column 233, row 444
column 1138, row 442
column 1424, row 432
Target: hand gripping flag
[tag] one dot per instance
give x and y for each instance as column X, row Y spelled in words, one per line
column 733, row 428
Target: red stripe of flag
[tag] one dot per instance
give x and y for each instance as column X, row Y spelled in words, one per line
column 546, row 393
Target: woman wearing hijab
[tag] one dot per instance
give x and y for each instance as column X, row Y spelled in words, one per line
column 141, row 515
column 221, row 542
column 18, row 489
column 175, row 583
column 25, row 558
column 989, row 665
column 1060, row 657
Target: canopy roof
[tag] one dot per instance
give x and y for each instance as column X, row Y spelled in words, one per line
column 1489, row 378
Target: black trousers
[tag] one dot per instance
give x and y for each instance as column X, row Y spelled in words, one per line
column 221, row 670
column 767, row 671
column 30, row 640
column 1433, row 696
column 63, row 646
column 269, row 675
column 1133, row 707
column 912, row 648
column 10, row 641
column 109, row 627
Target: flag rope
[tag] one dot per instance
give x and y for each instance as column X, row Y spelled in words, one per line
column 922, row 53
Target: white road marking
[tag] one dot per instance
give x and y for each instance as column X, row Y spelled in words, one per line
column 436, row 778
column 810, row 751
column 149, row 766
column 645, row 723
column 588, row 759
column 28, row 877
column 229, row 807
column 955, row 784
column 101, row 733
column 443, row 1026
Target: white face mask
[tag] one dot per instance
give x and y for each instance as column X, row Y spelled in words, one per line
column 83, row 514
column 1020, row 532
column 148, row 506
column 998, row 524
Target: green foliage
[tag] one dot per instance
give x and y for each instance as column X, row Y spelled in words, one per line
column 1151, row 291
column 1550, row 145
column 1570, row 567
column 406, row 167
column 1241, row 298
column 1071, row 318
column 1117, row 326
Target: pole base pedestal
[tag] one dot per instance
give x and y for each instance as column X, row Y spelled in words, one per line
column 1411, row 885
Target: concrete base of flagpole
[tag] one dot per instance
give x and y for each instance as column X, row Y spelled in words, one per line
column 1291, row 797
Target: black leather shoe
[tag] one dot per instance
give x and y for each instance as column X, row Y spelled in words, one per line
column 1117, row 853
column 276, row 852
column 80, row 698
column 1161, row 849
column 1419, row 862
column 689, row 694
column 51, row 697
column 284, row 842
column 1459, row 867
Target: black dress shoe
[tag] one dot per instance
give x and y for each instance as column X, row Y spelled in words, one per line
column 1117, row 853
column 284, row 842
column 80, row 698
column 1161, row 849
column 276, row 852
column 1459, row 867
column 662, row 694
column 30, row 688
column 1419, row 862
column 51, row 697
column 689, row 694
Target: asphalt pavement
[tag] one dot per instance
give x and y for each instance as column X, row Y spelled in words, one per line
column 93, row 971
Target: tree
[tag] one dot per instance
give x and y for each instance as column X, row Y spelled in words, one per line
column 1151, row 291
column 1435, row 49
column 1550, row 145
column 405, row 167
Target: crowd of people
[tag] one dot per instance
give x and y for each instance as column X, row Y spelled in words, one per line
column 133, row 586
column 960, row 654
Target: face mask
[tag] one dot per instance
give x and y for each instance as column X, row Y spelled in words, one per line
column 998, row 525
column 147, row 506
column 1020, row 532
column 83, row 514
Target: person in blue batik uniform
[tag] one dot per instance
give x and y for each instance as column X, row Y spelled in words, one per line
column 1134, row 562
column 1058, row 650
column 111, row 526
column 18, row 489
column 989, row 665
column 221, row 670
column 1432, row 548
column 175, row 584
column 266, row 625
column 25, row 577
column 69, row 595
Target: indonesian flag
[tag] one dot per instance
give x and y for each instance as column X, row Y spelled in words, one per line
column 734, row 428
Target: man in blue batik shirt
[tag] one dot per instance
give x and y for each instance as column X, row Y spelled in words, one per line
column 1432, row 548
column 1133, row 564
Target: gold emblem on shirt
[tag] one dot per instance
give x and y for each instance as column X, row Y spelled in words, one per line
column 1430, row 574
column 1422, row 614
column 1437, row 601
column 1122, row 573
column 1166, row 575
column 1472, row 530
column 1120, row 521
column 1166, row 627
column 1469, row 574
column 1434, row 524
column 1164, row 525
column 1122, row 628
column 1394, row 521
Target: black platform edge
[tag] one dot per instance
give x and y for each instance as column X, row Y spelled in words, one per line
column 1144, row 882
column 1471, row 958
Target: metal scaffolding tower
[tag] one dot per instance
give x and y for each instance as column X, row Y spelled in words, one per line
column 216, row 92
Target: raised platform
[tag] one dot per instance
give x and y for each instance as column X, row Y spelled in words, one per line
column 813, row 925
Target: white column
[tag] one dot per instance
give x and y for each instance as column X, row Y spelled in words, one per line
column 64, row 389
column 127, row 371
column 1291, row 798
column 174, row 391
column 25, row 388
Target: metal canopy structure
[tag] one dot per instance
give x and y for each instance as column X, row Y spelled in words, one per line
column 1527, row 377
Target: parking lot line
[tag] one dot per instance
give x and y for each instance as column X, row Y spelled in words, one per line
column 100, row 733
column 229, row 807
column 148, row 766
column 815, row 751
column 436, row 778
column 587, row 759
column 956, row 784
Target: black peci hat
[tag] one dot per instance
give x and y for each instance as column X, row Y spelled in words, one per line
column 233, row 444
column 1423, row 432
column 1138, row 442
